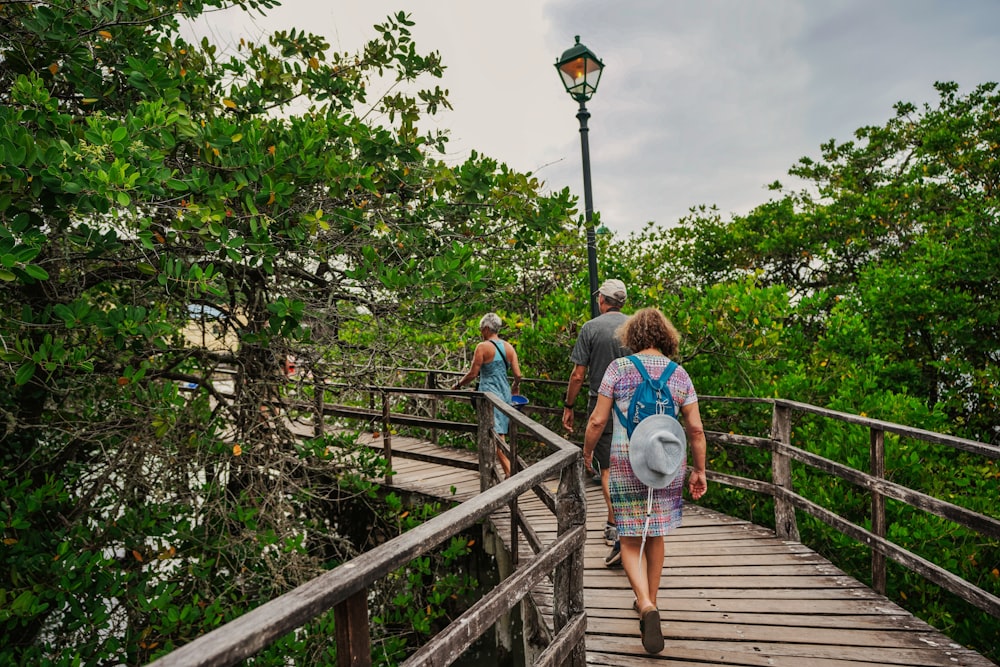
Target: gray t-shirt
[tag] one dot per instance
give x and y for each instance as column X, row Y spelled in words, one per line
column 596, row 347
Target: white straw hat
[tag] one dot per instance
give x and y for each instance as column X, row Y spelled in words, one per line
column 657, row 450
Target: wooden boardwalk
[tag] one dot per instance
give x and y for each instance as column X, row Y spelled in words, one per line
column 731, row 594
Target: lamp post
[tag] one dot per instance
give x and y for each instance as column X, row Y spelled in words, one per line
column 580, row 70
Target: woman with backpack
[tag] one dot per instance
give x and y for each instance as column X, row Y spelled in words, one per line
column 648, row 469
column 490, row 361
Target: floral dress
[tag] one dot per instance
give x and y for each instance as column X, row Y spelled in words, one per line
column 629, row 496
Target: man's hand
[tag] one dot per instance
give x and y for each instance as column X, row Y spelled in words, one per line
column 568, row 419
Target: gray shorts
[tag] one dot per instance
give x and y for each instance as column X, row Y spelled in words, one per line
column 602, row 453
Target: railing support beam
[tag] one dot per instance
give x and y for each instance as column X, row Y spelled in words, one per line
column 879, row 525
column 484, row 442
column 350, row 619
column 567, row 596
column 781, row 474
column 386, row 439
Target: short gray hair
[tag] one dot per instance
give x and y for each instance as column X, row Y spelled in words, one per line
column 611, row 301
column 491, row 321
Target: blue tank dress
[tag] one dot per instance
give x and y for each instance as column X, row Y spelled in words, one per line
column 493, row 378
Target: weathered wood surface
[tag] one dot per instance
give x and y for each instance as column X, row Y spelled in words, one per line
column 732, row 593
column 431, row 479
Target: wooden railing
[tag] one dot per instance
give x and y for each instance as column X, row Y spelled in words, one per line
column 345, row 588
column 787, row 501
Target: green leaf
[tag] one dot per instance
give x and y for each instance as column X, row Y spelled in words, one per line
column 36, row 272
column 25, row 373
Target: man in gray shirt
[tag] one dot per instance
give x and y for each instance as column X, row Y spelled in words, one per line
column 596, row 347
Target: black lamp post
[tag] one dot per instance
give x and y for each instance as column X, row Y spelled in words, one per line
column 581, row 70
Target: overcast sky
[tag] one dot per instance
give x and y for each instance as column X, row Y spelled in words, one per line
column 700, row 102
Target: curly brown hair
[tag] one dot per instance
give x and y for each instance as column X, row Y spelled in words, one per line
column 649, row 328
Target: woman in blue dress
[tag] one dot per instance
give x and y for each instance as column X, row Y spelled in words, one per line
column 492, row 358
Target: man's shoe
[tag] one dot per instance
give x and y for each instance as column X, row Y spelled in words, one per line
column 610, row 534
column 614, row 558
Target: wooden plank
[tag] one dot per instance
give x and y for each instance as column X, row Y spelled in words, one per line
column 730, row 565
column 602, row 601
column 627, row 652
column 879, row 639
column 901, row 621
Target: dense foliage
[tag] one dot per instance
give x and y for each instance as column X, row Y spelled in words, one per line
column 178, row 224
column 172, row 217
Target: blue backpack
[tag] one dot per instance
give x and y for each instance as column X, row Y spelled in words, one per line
column 652, row 397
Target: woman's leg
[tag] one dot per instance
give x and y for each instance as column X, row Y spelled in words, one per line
column 637, row 575
column 502, row 457
column 653, row 562
column 644, row 578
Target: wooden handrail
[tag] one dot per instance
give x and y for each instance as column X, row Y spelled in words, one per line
column 344, row 589
column 787, row 501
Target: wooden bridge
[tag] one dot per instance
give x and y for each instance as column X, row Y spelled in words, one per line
column 732, row 593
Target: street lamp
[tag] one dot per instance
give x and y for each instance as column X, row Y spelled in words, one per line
column 580, row 70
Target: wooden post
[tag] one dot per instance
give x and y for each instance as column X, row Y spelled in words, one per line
column 386, row 439
column 350, row 619
column 484, row 442
column 879, row 527
column 567, row 588
column 319, row 395
column 432, row 384
column 512, row 457
column 781, row 473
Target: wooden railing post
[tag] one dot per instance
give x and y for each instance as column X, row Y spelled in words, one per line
column 484, row 442
column 879, row 527
column 567, row 588
column 432, row 384
column 350, row 619
column 512, row 457
column 781, row 474
column 319, row 395
column 386, row 439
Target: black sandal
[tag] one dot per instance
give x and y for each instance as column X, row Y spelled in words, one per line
column 652, row 634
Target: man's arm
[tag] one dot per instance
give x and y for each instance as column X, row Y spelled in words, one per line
column 576, row 379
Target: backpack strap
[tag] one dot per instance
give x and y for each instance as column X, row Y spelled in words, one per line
column 502, row 354
column 645, row 376
column 667, row 372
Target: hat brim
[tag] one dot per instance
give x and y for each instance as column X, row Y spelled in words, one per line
column 658, row 450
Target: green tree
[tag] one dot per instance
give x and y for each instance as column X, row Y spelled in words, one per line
column 896, row 231
column 155, row 196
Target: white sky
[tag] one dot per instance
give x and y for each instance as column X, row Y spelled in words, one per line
column 700, row 102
